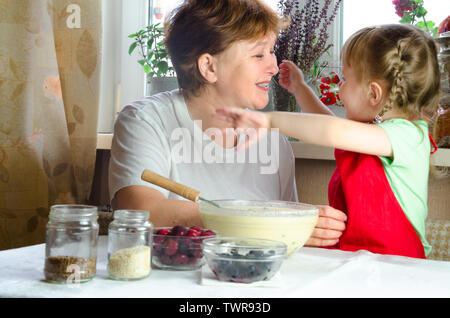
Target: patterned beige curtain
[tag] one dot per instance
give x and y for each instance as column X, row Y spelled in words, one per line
column 49, row 96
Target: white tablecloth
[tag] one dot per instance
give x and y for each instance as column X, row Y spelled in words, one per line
column 310, row 272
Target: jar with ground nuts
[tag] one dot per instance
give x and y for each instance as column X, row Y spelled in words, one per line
column 71, row 244
column 129, row 245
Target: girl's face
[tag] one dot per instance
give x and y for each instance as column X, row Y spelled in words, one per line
column 355, row 96
column 244, row 72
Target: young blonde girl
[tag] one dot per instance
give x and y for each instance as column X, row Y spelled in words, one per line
column 391, row 78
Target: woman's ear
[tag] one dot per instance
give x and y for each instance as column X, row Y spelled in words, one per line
column 207, row 67
column 375, row 94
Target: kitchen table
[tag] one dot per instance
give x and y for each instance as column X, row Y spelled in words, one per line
column 310, row 272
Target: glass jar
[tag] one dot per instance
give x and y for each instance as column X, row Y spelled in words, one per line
column 71, row 244
column 129, row 245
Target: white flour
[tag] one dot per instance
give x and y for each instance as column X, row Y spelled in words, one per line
column 130, row 263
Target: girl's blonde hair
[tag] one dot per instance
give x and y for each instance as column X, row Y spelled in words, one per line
column 403, row 58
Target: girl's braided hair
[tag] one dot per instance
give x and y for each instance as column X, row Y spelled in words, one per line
column 403, row 59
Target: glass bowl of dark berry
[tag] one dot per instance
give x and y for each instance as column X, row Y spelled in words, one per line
column 179, row 247
column 244, row 260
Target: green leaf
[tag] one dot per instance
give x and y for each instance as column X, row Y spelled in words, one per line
column 406, row 19
column 162, row 67
column 147, row 68
column 132, row 47
column 420, row 24
column 430, row 24
column 420, row 12
column 155, row 62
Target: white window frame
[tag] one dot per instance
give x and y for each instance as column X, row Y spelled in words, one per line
column 122, row 78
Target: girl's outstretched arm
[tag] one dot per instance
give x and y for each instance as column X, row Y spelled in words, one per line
column 291, row 78
column 331, row 131
column 318, row 129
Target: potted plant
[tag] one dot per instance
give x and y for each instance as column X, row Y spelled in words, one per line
column 413, row 12
column 303, row 42
column 154, row 58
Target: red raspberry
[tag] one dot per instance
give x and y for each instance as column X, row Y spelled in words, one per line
column 183, row 245
column 196, row 228
column 157, row 249
column 163, row 231
column 165, row 259
column 178, row 230
column 193, row 233
column 159, row 239
column 198, row 253
column 208, row 233
column 171, row 247
column 180, row 259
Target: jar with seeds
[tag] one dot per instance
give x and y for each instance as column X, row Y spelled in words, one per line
column 129, row 245
column 71, row 244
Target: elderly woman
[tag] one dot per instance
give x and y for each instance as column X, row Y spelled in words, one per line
column 222, row 52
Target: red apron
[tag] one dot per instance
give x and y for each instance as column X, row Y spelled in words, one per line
column 375, row 219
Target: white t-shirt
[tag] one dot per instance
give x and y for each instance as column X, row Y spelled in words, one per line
column 158, row 133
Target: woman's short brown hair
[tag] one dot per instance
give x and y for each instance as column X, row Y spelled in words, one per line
column 197, row 27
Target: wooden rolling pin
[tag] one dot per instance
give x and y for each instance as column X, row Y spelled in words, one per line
column 173, row 186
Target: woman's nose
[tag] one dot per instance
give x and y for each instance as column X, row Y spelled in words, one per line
column 273, row 67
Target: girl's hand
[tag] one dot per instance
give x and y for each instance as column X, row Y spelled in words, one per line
column 291, row 77
column 253, row 124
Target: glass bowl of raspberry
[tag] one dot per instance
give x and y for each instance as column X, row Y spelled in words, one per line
column 244, row 260
column 179, row 247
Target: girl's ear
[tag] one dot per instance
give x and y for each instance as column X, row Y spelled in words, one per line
column 375, row 94
column 207, row 67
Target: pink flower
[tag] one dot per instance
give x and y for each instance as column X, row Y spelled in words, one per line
column 402, row 6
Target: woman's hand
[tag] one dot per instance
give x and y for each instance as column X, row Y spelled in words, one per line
column 253, row 124
column 329, row 228
column 291, row 77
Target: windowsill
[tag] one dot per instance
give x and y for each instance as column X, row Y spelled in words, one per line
column 104, row 141
column 302, row 151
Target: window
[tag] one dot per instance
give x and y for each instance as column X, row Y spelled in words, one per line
column 159, row 8
column 123, row 79
column 361, row 13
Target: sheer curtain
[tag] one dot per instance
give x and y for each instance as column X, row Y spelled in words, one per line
column 50, row 53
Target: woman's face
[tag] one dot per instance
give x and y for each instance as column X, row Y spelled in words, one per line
column 244, row 71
